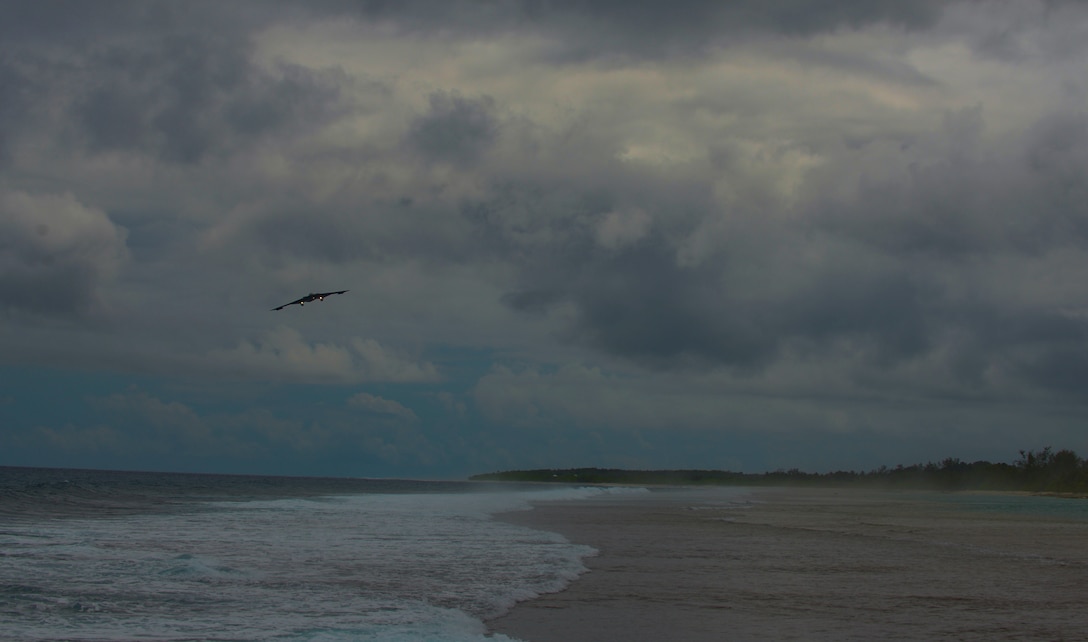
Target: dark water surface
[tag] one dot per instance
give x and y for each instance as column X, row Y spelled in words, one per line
column 103, row 555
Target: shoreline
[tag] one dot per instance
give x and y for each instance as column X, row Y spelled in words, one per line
column 604, row 603
column 807, row 564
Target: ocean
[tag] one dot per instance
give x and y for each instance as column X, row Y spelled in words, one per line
column 97, row 555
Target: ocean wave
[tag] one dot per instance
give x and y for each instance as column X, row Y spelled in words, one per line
column 416, row 560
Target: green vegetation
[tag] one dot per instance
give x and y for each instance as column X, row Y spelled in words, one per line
column 1037, row 471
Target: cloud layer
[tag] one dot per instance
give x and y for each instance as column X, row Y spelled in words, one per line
column 625, row 215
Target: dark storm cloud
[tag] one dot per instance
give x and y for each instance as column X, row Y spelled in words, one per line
column 67, row 20
column 455, row 129
column 1064, row 370
column 15, row 88
column 382, row 232
column 642, row 301
column 640, row 304
column 171, row 79
column 956, row 203
column 531, row 301
column 187, row 96
column 1057, row 158
column 590, row 28
column 636, row 302
column 707, row 20
column 64, row 292
column 56, row 255
column 889, row 271
column 324, row 235
column 77, row 25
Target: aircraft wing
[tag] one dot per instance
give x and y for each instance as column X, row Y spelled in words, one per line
column 291, row 303
column 313, row 296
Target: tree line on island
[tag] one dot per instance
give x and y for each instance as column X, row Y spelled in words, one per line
column 1043, row 470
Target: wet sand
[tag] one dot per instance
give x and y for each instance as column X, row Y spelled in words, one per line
column 813, row 564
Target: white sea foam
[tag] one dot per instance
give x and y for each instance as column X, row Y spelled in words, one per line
column 394, row 566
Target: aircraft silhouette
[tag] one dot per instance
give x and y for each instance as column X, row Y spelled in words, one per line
column 319, row 296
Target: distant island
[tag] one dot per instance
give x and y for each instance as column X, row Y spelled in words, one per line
column 1044, row 471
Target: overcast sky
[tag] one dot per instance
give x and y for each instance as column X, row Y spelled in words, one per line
column 749, row 235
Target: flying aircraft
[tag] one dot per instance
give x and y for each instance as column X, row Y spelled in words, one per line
column 319, row 296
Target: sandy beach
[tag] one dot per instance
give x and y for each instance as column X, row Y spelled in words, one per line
column 814, row 564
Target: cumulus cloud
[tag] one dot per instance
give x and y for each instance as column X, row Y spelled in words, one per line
column 57, row 256
column 165, row 423
column 283, row 354
column 380, row 406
